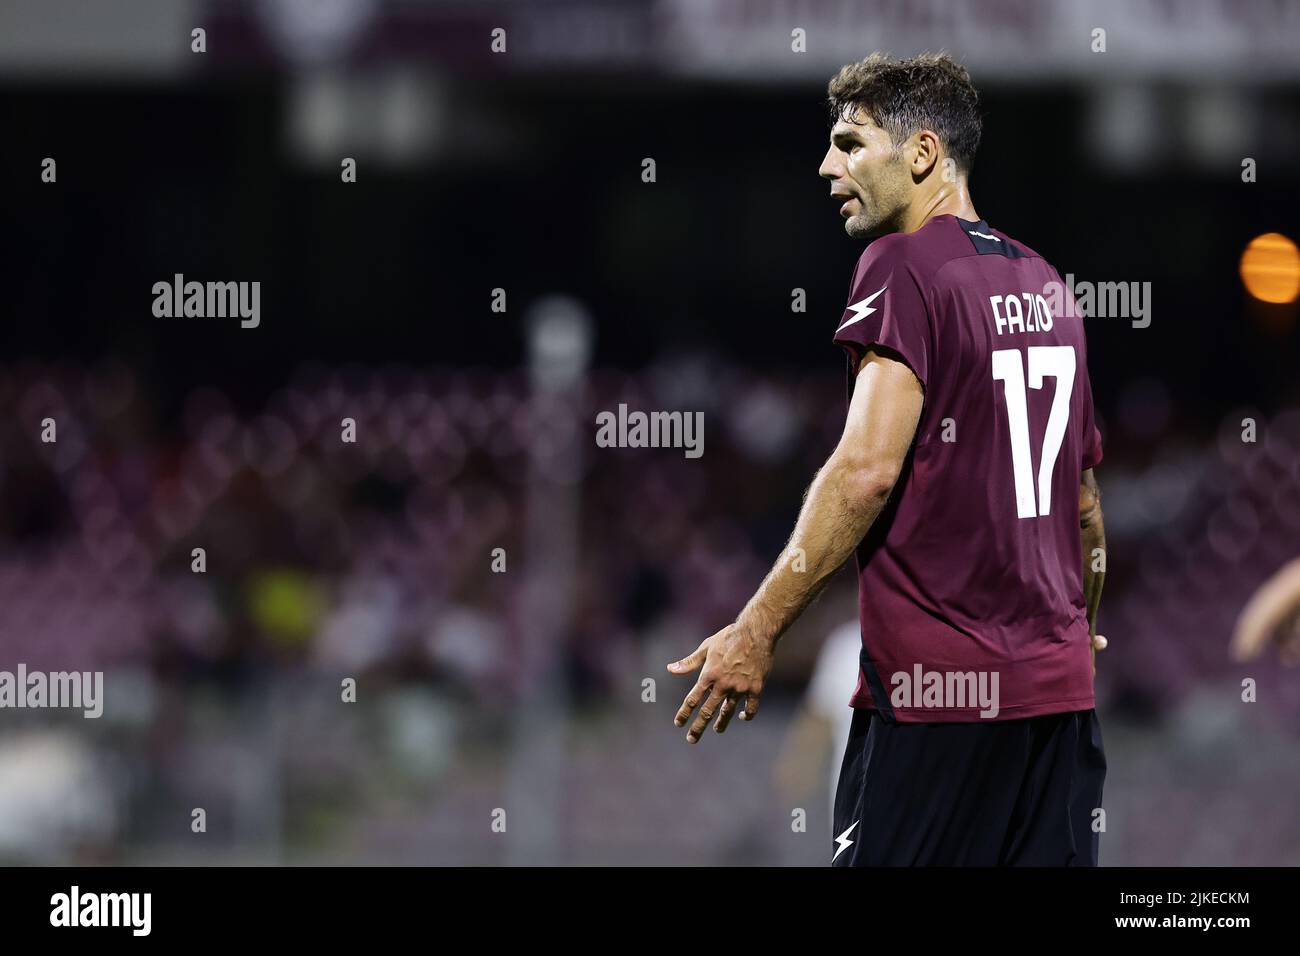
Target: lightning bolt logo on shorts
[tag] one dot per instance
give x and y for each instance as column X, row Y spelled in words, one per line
column 843, row 839
column 861, row 309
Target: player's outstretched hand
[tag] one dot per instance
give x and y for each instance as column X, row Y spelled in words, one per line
column 736, row 663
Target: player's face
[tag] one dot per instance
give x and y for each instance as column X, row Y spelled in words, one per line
column 867, row 175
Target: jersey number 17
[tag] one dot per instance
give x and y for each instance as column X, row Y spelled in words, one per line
column 1056, row 361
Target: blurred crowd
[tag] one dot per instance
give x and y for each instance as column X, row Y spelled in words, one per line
column 351, row 523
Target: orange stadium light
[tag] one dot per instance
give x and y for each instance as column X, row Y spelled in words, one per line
column 1270, row 268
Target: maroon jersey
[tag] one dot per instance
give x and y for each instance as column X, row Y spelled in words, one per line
column 971, row 579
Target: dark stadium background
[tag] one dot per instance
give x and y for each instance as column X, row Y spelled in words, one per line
column 372, row 561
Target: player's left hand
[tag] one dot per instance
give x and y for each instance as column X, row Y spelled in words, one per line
column 1098, row 644
column 736, row 662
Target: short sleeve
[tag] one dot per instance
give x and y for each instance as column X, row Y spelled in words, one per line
column 886, row 307
column 1091, row 441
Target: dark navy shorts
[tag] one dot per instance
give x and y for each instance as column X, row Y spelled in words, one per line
column 994, row 793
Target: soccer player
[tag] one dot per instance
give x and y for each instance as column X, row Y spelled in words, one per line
column 963, row 482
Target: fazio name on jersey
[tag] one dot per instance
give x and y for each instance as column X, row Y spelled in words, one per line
column 1009, row 316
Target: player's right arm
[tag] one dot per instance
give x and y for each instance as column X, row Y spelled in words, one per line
column 1092, row 532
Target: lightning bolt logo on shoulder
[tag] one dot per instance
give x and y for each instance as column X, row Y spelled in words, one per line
column 861, row 309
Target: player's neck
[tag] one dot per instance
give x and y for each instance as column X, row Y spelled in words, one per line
column 952, row 200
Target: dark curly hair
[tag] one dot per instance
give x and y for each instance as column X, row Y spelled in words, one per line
column 930, row 91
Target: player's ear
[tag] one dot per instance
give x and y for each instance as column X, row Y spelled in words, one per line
column 924, row 153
